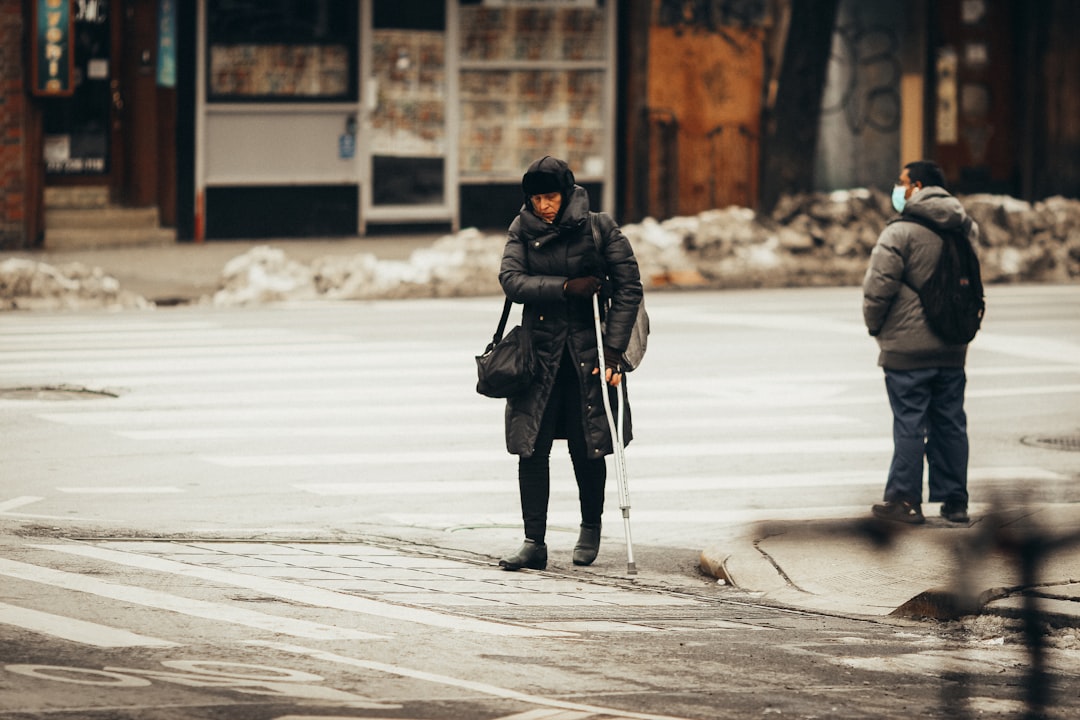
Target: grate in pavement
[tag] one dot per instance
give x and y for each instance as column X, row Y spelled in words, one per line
column 1061, row 442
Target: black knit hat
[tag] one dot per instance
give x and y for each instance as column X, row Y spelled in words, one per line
column 547, row 175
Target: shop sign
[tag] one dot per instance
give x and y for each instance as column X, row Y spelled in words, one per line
column 53, row 63
column 166, row 56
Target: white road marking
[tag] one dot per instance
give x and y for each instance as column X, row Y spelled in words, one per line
column 471, row 685
column 777, row 321
column 174, row 603
column 157, row 338
column 1021, row 391
column 854, row 446
column 446, row 457
column 299, row 346
column 1043, row 349
column 473, row 430
column 646, row 516
column 79, row 631
column 18, row 502
column 184, row 417
column 317, row 431
column 663, row 484
column 125, row 490
column 300, row 593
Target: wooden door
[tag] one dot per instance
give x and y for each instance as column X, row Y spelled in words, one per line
column 135, row 105
column 972, row 109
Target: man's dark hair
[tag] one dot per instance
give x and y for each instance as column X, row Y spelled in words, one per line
column 927, row 172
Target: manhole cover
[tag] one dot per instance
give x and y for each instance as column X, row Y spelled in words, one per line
column 53, row 392
column 1062, row 442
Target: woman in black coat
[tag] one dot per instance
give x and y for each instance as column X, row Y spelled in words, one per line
column 554, row 266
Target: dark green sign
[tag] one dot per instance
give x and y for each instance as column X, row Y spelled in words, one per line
column 53, row 60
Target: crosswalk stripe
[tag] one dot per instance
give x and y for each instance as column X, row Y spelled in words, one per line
column 121, row 490
column 9, row 505
column 174, row 603
column 158, row 338
column 475, row 430
column 341, row 459
column 364, row 353
column 80, row 631
column 642, row 515
column 371, row 394
column 226, row 359
column 1043, row 349
column 666, row 450
column 1021, row 391
column 470, row 685
column 662, row 484
column 444, row 430
column 267, row 414
column 302, row 593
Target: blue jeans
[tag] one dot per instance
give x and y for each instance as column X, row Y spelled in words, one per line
column 928, row 421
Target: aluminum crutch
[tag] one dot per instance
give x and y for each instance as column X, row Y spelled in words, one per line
column 619, row 455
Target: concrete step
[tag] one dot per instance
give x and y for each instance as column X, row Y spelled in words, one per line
column 81, row 218
column 109, row 216
column 86, row 238
column 77, row 197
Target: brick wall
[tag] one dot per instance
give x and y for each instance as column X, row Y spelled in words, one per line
column 12, row 127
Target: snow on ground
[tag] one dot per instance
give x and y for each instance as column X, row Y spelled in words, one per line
column 809, row 239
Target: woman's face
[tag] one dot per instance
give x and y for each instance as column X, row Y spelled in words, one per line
column 547, row 205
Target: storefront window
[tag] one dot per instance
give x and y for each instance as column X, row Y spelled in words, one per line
column 303, row 50
column 408, row 121
column 532, row 83
column 77, row 127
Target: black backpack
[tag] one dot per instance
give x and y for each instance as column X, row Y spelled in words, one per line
column 952, row 297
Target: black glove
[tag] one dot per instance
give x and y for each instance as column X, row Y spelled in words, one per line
column 583, row 287
column 612, row 359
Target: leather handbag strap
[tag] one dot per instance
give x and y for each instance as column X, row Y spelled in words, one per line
column 502, row 322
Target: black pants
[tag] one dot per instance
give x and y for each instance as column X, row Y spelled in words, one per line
column 534, row 474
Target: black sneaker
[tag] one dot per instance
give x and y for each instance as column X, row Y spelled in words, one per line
column 955, row 512
column 899, row 511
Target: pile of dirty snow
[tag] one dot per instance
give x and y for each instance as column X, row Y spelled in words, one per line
column 815, row 239
column 811, row 239
column 31, row 285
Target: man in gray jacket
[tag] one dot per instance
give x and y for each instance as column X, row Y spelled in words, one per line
column 924, row 376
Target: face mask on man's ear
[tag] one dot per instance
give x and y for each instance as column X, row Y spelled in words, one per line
column 898, row 199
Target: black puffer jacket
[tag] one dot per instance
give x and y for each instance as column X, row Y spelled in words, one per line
column 540, row 257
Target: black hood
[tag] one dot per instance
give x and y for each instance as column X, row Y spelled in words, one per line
column 546, row 175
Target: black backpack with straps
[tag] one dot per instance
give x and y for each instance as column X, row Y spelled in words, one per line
column 952, row 297
column 639, row 335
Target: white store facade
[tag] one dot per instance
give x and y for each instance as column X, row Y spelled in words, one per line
column 329, row 117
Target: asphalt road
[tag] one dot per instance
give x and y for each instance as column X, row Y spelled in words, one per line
column 294, row 512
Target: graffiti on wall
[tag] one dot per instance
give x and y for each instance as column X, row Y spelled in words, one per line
column 859, row 138
column 711, row 15
column 867, row 94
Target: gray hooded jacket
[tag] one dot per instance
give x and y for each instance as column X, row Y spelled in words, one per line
column 905, row 255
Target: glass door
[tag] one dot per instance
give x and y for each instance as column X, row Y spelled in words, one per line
column 405, row 101
column 78, row 129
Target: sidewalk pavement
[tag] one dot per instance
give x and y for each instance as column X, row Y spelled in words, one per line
column 175, row 273
column 941, row 570
column 851, row 565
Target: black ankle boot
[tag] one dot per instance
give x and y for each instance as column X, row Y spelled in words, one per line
column 588, row 544
column 531, row 554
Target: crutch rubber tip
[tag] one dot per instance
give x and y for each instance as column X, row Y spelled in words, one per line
column 631, row 569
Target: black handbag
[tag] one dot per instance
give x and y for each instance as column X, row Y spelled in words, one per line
column 507, row 366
